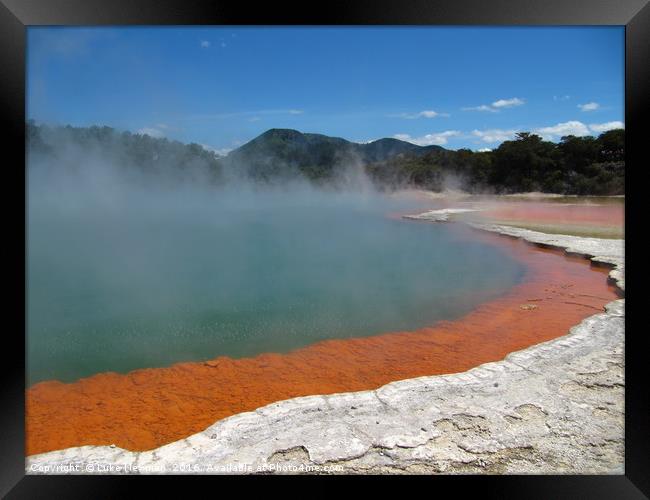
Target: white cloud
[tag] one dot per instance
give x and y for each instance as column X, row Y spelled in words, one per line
column 421, row 114
column 604, row 127
column 217, row 151
column 151, row 132
column 254, row 119
column 205, row 44
column 484, row 150
column 436, row 138
column 551, row 133
column 295, row 111
column 428, row 114
column 590, row 106
column 494, row 135
column 507, row 103
column 497, row 105
column 482, row 107
column 572, row 127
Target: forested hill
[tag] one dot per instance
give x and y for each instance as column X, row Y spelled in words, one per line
column 284, row 152
column 575, row 165
column 79, row 148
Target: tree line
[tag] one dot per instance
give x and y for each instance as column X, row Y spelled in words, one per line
column 75, row 147
column 574, row 165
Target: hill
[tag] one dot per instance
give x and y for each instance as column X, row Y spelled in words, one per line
column 78, row 149
column 282, row 153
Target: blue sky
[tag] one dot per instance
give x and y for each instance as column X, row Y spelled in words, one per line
column 223, row 86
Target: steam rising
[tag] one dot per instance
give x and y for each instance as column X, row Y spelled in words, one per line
column 129, row 267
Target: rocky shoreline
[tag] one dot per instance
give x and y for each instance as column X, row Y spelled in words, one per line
column 556, row 407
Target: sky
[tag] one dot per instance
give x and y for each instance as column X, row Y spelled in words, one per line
column 458, row 87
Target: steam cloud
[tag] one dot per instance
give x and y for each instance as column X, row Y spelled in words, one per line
column 131, row 267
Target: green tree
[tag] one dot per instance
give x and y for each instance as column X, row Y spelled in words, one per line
column 522, row 164
column 577, row 153
column 612, row 145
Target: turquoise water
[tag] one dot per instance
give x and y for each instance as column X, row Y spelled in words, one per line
column 133, row 280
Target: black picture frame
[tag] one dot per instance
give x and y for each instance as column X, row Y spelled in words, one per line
column 16, row 15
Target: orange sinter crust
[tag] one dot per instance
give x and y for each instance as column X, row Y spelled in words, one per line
column 556, row 213
column 147, row 408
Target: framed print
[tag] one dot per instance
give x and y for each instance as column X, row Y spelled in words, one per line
column 371, row 239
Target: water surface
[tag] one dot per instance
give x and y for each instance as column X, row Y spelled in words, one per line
column 134, row 279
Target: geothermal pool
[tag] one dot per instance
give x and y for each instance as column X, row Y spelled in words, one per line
column 142, row 278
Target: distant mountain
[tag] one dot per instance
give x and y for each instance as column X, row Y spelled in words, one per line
column 282, row 153
column 385, row 149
